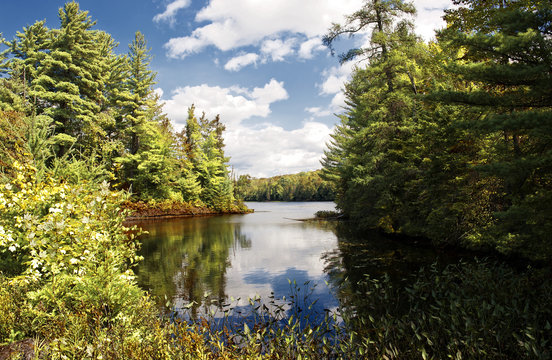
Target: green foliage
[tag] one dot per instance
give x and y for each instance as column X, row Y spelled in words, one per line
column 506, row 56
column 86, row 114
column 62, row 229
column 74, row 285
column 12, row 140
column 450, row 141
column 374, row 154
column 304, row 186
column 205, row 170
column 465, row 310
column 380, row 18
column 14, row 319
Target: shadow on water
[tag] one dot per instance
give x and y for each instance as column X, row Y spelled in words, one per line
column 371, row 254
column 186, row 261
column 203, row 264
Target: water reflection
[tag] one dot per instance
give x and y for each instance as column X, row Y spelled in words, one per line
column 358, row 255
column 210, row 260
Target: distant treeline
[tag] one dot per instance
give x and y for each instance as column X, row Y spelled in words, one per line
column 304, row 186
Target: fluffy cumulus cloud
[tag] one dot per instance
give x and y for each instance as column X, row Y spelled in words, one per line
column 309, row 47
column 234, row 104
column 235, row 23
column 170, row 11
column 269, row 150
column 238, row 62
column 231, row 24
column 335, row 78
column 255, row 32
column 277, row 49
column 333, row 82
column 271, row 92
column 262, row 149
column 274, row 50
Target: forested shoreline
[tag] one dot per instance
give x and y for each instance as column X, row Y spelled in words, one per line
column 76, row 111
column 449, row 140
column 304, row 186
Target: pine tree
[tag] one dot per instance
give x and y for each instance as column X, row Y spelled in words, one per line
column 137, row 119
column 367, row 158
column 504, row 51
column 70, row 78
column 139, row 83
column 385, row 19
column 27, row 50
column 204, row 150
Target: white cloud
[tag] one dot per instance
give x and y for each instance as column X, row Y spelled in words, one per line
column 234, row 104
column 236, row 23
column 309, row 47
column 338, row 102
column 259, row 150
column 238, row 62
column 186, row 45
column 318, row 111
column 171, row 10
column 335, row 78
column 269, row 150
column 429, row 16
column 271, row 92
column 275, row 50
column 333, row 83
column 278, row 49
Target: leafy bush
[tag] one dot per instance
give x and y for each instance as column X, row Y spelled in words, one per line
column 327, row 214
column 72, row 250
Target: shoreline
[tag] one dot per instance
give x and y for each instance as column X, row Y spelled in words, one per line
column 140, row 211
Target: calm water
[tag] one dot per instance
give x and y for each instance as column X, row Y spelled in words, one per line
column 221, row 259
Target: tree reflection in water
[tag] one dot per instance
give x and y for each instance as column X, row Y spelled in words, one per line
column 210, row 260
column 186, row 261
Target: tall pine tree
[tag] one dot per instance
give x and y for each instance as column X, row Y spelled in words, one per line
column 70, row 78
column 504, row 51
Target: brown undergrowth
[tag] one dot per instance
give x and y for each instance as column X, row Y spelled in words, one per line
column 139, row 210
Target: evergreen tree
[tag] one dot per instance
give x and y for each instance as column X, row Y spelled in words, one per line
column 146, row 147
column 82, row 112
column 204, row 150
column 504, row 51
column 368, row 157
column 71, row 76
column 139, row 83
column 27, row 50
column 385, row 20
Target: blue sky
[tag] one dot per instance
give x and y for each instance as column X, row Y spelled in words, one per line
column 257, row 63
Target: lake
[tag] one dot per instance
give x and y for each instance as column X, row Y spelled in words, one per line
column 209, row 261
column 395, row 295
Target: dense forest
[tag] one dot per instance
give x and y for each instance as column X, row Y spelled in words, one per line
column 75, row 110
column 450, row 140
column 304, row 186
